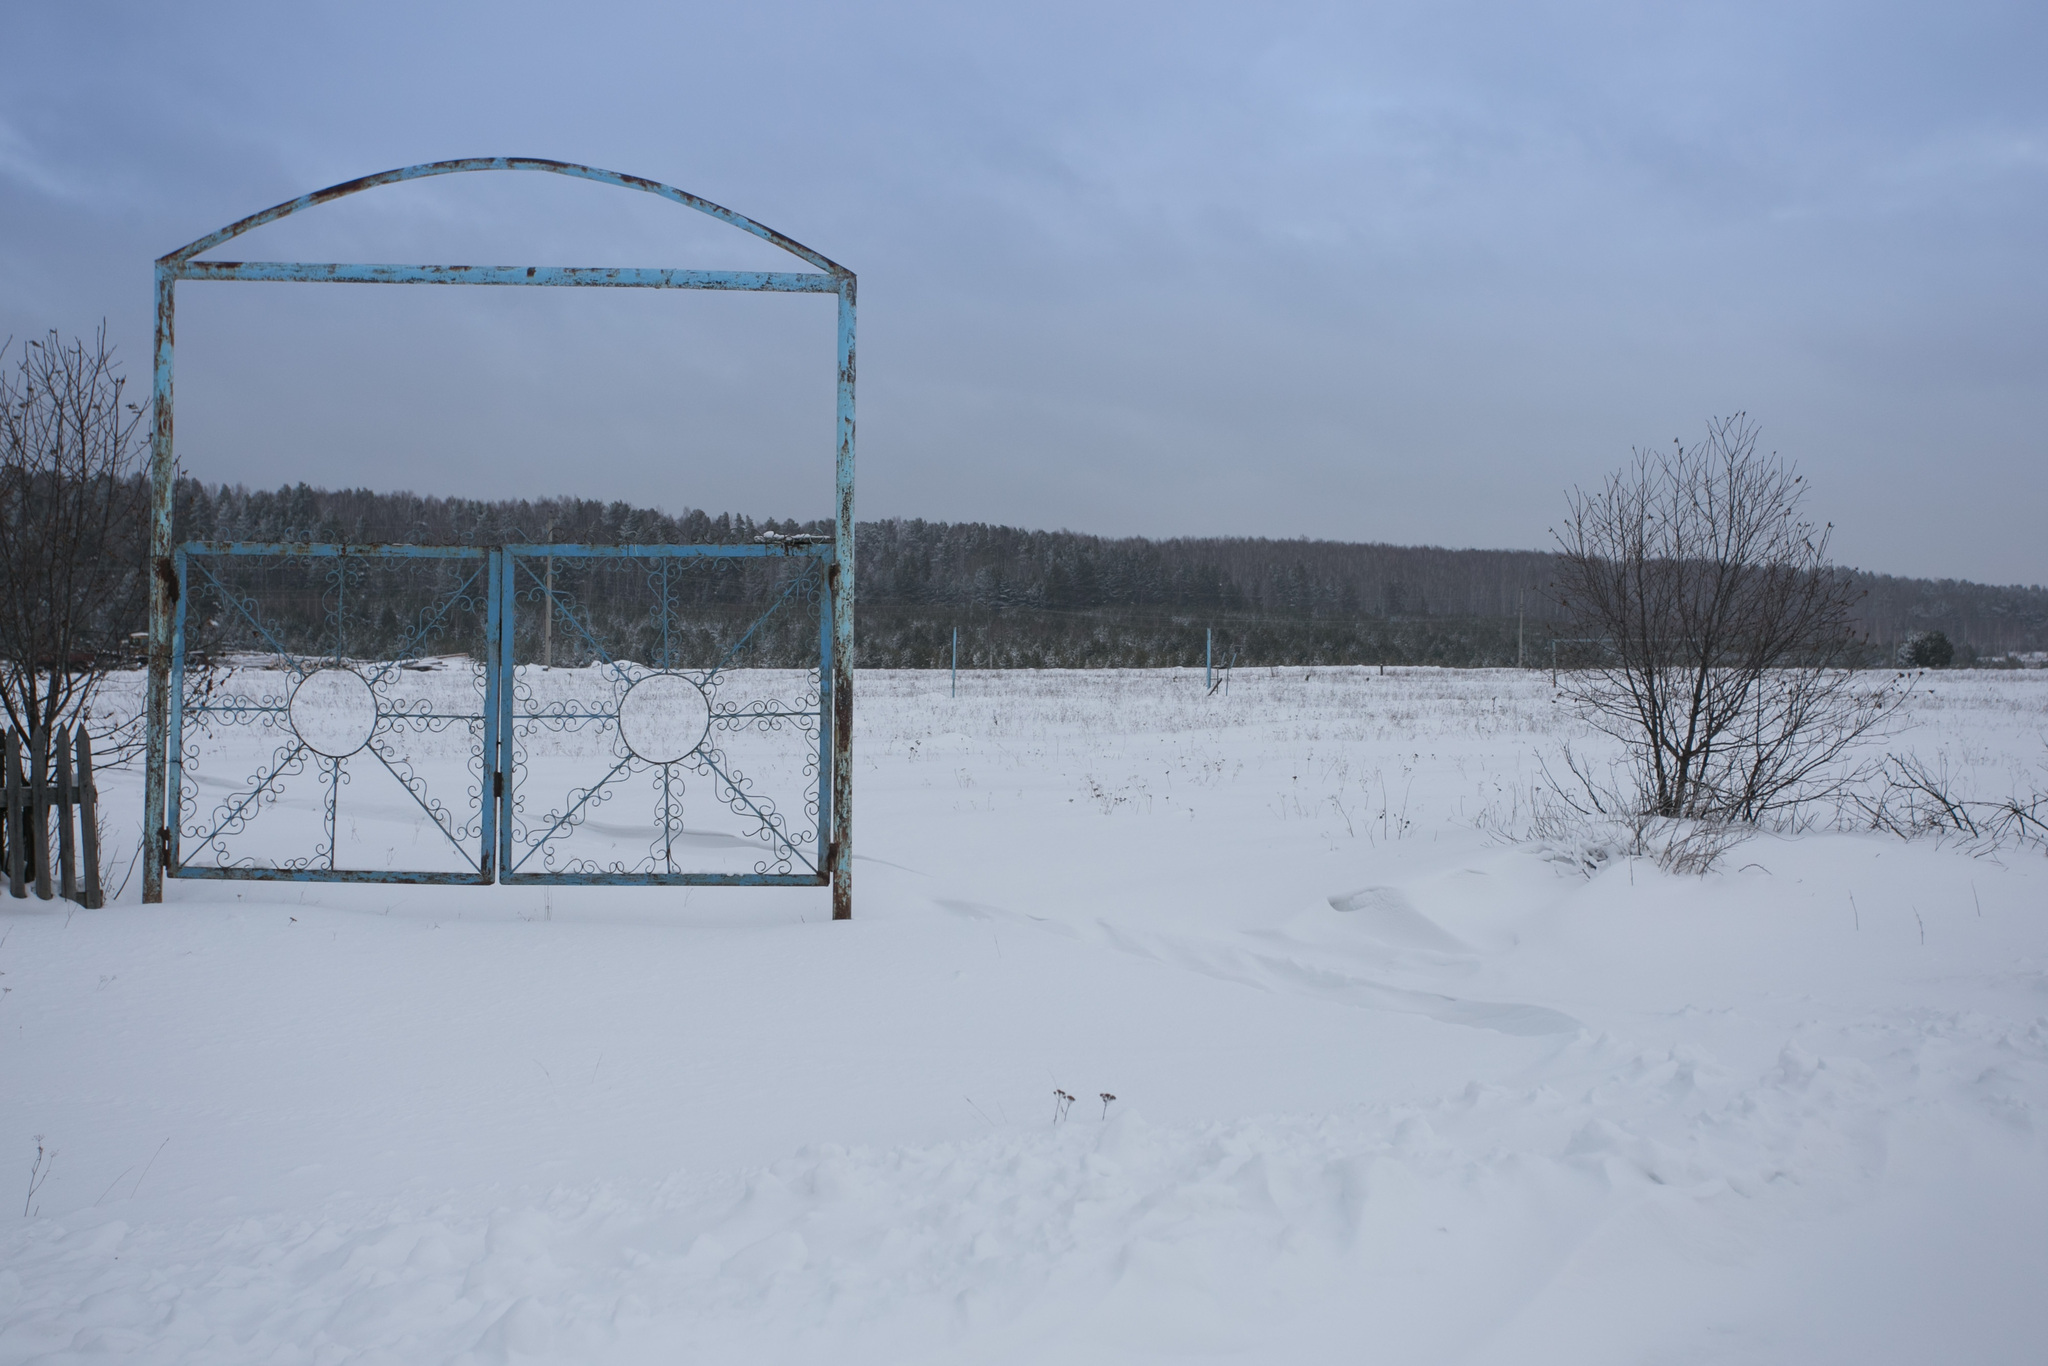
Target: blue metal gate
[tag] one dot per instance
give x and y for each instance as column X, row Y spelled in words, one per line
column 314, row 716
column 541, row 713
column 335, row 714
column 665, row 716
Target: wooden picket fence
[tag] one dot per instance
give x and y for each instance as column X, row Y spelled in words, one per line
column 48, row 775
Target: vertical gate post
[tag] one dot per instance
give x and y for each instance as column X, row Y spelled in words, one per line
column 162, row 587
column 174, row 721
column 842, row 624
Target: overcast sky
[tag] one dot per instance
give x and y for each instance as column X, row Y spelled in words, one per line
column 1398, row 272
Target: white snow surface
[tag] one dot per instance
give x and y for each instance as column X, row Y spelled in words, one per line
column 1389, row 1087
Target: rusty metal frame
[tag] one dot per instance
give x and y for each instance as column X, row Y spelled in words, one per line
column 828, row 278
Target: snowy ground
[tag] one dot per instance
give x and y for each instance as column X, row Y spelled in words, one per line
column 1389, row 1088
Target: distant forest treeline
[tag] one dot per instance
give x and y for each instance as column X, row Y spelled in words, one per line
column 1061, row 599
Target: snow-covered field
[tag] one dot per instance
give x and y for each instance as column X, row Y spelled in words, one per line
column 1389, row 1087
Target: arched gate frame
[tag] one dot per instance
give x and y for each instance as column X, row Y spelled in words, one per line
column 168, row 561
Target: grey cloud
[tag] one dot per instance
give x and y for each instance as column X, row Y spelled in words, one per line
column 1397, row 272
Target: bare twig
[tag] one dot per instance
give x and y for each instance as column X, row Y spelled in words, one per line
column 1911, row 797
column 39, row 1173
column 146, row 1166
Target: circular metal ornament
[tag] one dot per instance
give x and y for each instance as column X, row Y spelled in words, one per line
column 664, row 717
column 333, row 712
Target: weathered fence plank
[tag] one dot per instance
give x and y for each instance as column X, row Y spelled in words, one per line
column 61, row 785
column 39, row 811
column 67, row 846
column 17, row 821
column 89, row 824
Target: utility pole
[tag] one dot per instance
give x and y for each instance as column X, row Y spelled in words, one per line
column 956, row 661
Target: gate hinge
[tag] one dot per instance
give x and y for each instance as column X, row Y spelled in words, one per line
column 832, row 854
column 497, row 784
column 163, row 846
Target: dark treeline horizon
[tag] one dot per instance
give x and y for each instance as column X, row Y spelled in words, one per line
column 1024, row 598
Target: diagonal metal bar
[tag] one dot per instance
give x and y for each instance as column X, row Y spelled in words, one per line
column 768, row 822
column 554, row 601
column 249, row 617
column 298, row 747
column 420, row 633
column 420, row 802
column 774, row 607
column 534, row 845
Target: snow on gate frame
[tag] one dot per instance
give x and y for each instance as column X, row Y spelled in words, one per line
column 829, row 278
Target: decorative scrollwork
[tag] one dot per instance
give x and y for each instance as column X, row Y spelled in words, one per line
column 281, row 618
column 732, row 788
column 628, row 620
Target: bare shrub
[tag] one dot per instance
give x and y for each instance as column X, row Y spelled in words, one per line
column 1910, row 797
column 1726, row 654
column 1583, row 820
column 1695, row 846
column 72, row 523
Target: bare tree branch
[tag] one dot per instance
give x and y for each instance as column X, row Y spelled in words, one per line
column 72, row 515
column 1725, row 639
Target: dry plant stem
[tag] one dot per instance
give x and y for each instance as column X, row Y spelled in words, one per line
column 39, row 1173
column 110, row 1186
column 1912, row 797
column 1698, row 848
column 147, row 1165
